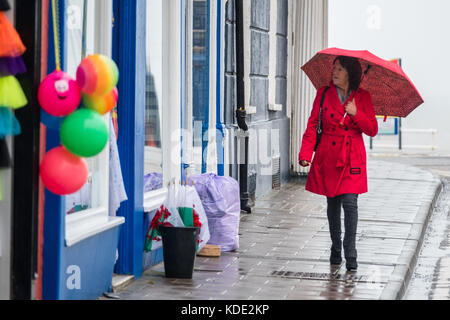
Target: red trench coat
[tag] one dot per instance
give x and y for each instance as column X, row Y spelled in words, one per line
column 339, row 164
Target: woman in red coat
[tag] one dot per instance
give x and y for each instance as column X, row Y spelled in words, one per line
column 338, row 170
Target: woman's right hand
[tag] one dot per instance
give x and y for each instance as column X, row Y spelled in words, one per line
column 305, row 163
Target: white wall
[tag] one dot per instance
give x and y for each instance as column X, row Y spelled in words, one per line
column 416, row 31
column 310, row 36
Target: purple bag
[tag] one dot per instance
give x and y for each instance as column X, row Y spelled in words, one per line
column 222, row 204
column 152, row 181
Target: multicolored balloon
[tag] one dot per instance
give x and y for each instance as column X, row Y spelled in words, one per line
column 101, row 104
column 84, row 133
column 97, row 75
column 59, row 94
column 62, row 172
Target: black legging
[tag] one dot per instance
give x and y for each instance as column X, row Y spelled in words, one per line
column 349, row 202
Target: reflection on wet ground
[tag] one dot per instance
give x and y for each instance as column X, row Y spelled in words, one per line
column 431, row 278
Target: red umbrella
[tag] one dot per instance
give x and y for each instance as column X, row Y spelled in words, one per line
column 393, row 94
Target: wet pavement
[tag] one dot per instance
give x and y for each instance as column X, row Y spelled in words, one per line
column 285, row 246
column 431, row 278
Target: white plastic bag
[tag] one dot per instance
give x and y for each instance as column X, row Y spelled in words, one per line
column 168, row 209
column 192, row 199
column 171, row 204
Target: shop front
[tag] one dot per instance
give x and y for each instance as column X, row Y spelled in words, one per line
column 170, row 53
column 168, row 56
column 81, row 230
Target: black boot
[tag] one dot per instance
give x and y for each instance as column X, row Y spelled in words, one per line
column 351, row 264
column 335, row 257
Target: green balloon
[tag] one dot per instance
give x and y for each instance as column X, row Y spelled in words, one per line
column 84, row 133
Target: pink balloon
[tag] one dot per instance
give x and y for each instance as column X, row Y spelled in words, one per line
column 59, row 94
column 62, row 172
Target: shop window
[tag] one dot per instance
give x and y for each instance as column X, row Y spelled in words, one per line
column 80, row 41
column 200, row 81
column 153, row 159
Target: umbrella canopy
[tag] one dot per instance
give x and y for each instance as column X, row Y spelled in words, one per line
column 392, row 92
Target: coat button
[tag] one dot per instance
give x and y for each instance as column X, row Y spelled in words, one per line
column 346, row 129
column 332, row 115
column 333, row 143
column 347, row 143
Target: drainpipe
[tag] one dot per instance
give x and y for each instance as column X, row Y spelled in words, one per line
column 240, row 107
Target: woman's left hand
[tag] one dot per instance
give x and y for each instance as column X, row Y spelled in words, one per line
column 350, row 108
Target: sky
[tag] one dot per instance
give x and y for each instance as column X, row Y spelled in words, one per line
column 414, row 30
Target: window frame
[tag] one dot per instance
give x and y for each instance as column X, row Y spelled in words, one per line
column 86, row 223
column 215, row 159
column 173, row 74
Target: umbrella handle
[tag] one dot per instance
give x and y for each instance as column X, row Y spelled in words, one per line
column 341, row 123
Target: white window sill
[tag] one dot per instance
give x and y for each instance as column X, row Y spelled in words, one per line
column 88, row 223
column 275, row 107
column 154, row 199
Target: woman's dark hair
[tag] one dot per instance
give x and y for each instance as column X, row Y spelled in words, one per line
column 354, row 70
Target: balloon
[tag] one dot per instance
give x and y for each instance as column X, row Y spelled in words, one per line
column 101, row 104
column 84, row 133
column 62, row 172
column 97, row 75
column 59, row 94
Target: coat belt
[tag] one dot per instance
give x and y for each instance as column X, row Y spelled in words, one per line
column 344, row 152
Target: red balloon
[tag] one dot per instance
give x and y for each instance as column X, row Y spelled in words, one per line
column 62, row 172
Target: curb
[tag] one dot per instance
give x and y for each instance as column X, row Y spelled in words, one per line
column 413, row 261
column 396, row 289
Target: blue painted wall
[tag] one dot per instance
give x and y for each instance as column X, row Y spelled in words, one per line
column 129, row 54
column 54, row 219
column 87, row 267
column 220, row 126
